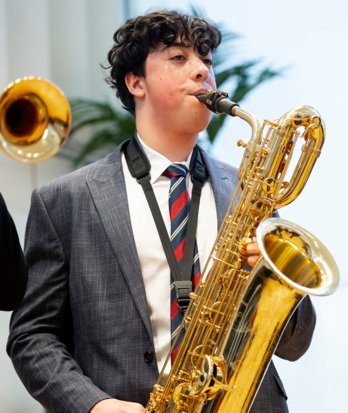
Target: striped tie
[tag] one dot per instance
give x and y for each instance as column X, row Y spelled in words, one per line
column 179, row 207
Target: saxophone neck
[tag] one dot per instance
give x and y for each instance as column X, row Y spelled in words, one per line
column 218, row 102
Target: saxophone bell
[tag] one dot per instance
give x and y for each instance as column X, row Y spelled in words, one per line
column 293, row 264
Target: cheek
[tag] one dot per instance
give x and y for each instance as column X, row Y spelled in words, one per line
column 211, row 81
column 169, row 97
column 201, row 117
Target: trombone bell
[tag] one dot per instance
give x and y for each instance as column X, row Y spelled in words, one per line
column 35, row 120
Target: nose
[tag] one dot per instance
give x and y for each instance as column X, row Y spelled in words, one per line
column 200, row 70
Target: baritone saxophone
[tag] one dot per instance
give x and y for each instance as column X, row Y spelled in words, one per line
column 237, row 315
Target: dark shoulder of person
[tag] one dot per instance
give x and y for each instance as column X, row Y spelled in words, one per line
column 13, row 273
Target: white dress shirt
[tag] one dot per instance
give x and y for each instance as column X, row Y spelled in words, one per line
column 154, row 266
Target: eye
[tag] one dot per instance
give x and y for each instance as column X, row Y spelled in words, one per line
column 178, row 57
column 207, row 61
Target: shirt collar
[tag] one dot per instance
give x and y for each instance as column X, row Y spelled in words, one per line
column 158, row 162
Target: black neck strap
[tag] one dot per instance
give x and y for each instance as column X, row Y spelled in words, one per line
column 139, row 167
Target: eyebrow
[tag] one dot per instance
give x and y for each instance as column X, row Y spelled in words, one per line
column 175, row 44
column 181, row 45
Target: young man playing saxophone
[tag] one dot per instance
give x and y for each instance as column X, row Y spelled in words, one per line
column 94, row 328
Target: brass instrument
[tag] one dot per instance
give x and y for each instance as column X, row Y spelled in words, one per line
column 35, row 120
column 237, row 315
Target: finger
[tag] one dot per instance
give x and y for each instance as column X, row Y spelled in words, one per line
column 137, row 407
column 253, row 248
column 252, row 260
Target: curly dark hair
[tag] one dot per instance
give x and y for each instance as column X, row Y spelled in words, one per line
column 139, row 36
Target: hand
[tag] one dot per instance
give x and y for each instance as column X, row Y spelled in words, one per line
column 254, row 253
column 116, row 406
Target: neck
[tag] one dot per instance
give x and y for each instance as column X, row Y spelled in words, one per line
column 172, row 138
column 173, row 147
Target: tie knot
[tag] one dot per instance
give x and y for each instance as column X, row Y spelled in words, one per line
column 175, row 170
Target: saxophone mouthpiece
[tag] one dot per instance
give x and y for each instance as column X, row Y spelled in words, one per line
column 217, row 101
column 204, row 98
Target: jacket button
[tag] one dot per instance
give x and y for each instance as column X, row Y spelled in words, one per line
column 148, row 356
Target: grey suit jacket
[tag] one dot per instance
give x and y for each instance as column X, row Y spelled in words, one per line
column 82, row 332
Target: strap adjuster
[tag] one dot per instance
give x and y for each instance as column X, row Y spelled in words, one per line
column 183, row 290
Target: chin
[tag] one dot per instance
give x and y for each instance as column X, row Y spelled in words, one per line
column 202, row 122
column 196, row 129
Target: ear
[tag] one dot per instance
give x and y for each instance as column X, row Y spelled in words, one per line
column 135, row 84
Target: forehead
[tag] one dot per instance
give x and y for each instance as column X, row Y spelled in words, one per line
column 178, row 44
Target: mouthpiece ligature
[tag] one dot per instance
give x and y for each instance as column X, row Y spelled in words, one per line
column 218, row 102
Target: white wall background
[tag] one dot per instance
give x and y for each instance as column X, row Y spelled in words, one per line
column 64, row 41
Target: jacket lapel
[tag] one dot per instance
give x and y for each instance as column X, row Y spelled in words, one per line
column 224, row 180
column 108, row 190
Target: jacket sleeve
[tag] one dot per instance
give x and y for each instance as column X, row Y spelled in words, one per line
column 13, row 271
column 298, row 333
column 40, row 342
